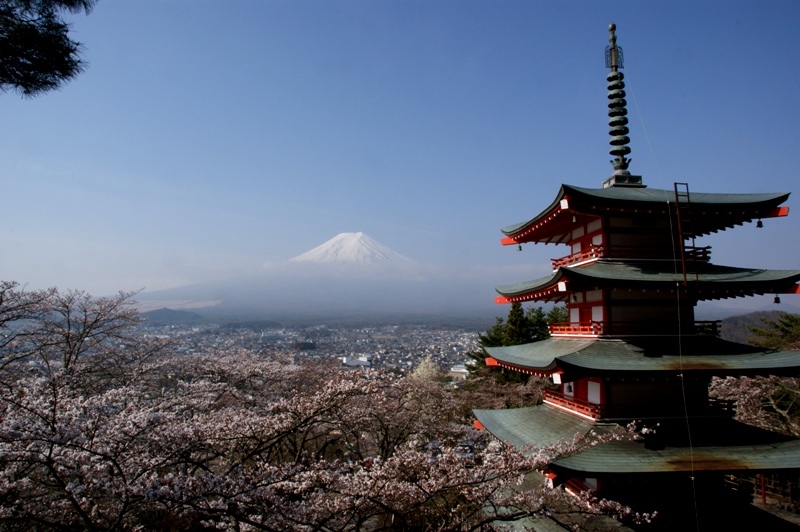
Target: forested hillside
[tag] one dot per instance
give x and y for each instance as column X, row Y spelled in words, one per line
column 737, row 328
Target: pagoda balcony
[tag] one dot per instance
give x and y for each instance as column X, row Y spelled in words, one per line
column 591, row 328
column 708, row 327
column 698, row 253
column 691, row 253
column 579, row 406
column 620, row 328
column 722, row 407
column 591, row 253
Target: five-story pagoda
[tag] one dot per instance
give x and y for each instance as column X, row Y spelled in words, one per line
column 632, row 349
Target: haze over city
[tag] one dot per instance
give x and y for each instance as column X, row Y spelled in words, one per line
column 210, row 141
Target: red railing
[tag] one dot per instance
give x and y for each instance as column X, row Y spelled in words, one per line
column 693, row 253
column 722, row 407
column 592, row 328
column 703, row 254
column 598, row 328
column 708, row 327
column 638, row 252
column 593, row 252
column 576, row 405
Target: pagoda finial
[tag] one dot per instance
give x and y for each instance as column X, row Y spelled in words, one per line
column 613, row 52
column 617, row 121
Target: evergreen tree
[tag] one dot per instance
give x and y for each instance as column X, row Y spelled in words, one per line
column 495, row 335
column 518, row 330
column 522, row 326
column 557, row 315
column 36, row 53
column 537, row 322
column 783, row 333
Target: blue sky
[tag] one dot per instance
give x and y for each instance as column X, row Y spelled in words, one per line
column 207, row 139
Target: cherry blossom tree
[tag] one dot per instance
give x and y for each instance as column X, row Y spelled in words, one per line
column 102, row 429
column 769, row 402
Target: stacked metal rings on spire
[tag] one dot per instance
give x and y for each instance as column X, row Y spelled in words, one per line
column 617, row 119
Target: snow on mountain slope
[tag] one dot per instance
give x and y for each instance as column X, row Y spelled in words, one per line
column 351, row 248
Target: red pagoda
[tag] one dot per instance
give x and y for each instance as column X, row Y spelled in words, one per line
column 632, row 349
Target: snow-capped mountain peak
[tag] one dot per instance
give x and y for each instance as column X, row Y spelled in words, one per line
column 351, row 248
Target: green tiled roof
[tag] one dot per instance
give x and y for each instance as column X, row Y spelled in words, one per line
column 647, row 354
column 541, row 355
column 633, row 457
column 659, row 197
column 656, row 199
column 654, row 273
column 535, row 425
column 718, row 444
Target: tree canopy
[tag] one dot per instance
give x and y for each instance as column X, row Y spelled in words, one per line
column 522, row 326
column 103, row 428
column 769, row 402
column 36, row 53
column 781, row 333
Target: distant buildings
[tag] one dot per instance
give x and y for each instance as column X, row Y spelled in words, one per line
column 361, row 362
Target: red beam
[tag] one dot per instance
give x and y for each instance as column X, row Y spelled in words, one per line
column 490, row 362
column 777, row 212
column 508, row 241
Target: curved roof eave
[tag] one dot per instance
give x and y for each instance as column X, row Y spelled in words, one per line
column 542, row 425
column 538, row 356
column 669, row 272
column 632, row 457
column 527, row 287
column 656, row 197
column 650, row 354
column 516, row 228
column 648, row 274
column 534, row 425
column 653, row 199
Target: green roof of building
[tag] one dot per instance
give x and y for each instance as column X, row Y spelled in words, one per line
column 717, row 444
column 635, row 274
column 719, row 209
column 647, row 354
column 656, row 196
column 633, row 457
column 536, row 425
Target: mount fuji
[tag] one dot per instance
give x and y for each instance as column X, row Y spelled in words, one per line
column 349, row 277
column 351, row 248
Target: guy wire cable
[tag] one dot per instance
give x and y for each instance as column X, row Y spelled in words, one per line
column 678, row 303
